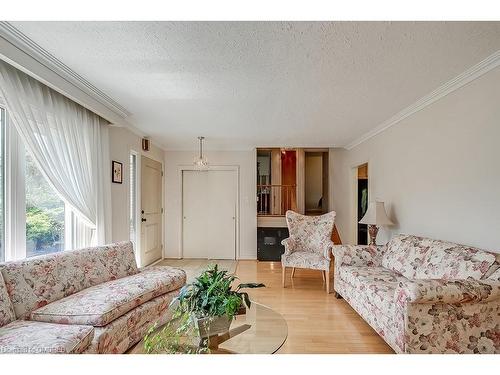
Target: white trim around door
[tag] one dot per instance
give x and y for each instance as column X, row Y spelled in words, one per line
column 138, row 193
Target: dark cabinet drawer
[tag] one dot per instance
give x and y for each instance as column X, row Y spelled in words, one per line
column 269, row 245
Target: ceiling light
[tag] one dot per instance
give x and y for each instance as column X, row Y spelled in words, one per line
column 201, row 162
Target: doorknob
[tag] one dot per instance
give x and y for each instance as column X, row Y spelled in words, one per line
column 143, row 220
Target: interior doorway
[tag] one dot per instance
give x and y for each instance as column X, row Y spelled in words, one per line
column 151, row 211
column 362, row 203
column 316, row 182
column 209, row 214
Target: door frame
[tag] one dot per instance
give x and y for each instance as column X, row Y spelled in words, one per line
column 138, row 195
column 354, row 197
column 232, row 168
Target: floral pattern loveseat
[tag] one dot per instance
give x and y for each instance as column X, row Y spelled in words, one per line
column 91, row 300
column 423, row 295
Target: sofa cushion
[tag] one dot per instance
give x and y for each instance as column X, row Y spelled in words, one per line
column 377, row 282
column 130, row 328
column 405, row 253
column 101, row 304
column 446, row 260
column 38, row 281
column 23, row 336
column 495, row 275
column 493, row 268
column 305, row 259
column 7, row 314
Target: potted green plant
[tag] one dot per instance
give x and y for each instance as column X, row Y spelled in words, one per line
column 205, row 306
column 212, row 302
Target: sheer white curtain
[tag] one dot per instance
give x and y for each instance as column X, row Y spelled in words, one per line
column 68, row 142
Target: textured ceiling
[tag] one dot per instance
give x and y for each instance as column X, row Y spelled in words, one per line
column 247, row 84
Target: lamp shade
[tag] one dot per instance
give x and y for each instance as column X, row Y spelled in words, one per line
column 376, row 215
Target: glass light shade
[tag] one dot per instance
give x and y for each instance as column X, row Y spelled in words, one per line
column 201, row 162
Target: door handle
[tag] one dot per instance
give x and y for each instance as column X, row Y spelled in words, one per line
column 143, row 220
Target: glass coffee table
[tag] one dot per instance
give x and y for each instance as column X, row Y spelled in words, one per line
column 260, row 331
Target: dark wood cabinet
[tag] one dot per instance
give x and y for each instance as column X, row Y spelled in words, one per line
column 269, row 245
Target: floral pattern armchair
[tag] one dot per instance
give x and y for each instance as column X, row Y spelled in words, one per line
column 309, row 245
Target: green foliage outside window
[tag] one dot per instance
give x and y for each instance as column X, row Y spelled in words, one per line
column 44, row 213
column 42, row 227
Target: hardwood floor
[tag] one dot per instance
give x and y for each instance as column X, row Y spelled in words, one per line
column 317, row 322
column 194, row 267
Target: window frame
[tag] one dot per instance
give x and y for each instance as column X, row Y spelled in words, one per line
column 135, row 195
column 15, row 201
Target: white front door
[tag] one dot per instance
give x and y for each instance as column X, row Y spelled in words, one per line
column 209, row 201
column 151, row 211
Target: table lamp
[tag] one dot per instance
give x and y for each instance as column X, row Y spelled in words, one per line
column 375, row 217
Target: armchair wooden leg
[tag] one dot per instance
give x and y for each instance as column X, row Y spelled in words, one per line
column 337, row 295
column 327, row 276
column 283, row 273
column 293, row 272
column 323, row 274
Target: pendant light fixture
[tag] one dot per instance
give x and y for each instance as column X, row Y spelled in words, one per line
column 201, row 162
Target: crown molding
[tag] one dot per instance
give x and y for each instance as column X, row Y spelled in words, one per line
column 23, row 53
column 459, row 81
column 42, row 56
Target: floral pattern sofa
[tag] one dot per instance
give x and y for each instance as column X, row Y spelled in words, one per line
column 423, row 295
column 91, row 300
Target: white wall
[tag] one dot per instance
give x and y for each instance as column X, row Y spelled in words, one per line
column 121, row 142
column 246, row 160
column 438, row 170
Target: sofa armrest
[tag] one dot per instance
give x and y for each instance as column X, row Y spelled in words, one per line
column 447, row 291
column 290, row 244
column 358, row 255
column 328, row 249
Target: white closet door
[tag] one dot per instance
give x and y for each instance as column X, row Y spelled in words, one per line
column 221, row 202
column 209, row 214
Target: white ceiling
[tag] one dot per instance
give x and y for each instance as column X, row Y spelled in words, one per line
column 248, row 84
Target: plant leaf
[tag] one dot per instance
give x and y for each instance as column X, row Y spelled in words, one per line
column 251, row 286
column 246, row 298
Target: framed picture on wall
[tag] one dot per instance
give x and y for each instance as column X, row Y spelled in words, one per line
column 117, row 172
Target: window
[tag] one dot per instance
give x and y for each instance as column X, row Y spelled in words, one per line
column 2, row 184
column 44, row 213
column 34, row 220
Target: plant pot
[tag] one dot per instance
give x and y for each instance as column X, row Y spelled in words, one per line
column 212, row 326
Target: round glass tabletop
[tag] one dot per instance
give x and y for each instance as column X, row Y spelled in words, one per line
column 260, row 331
